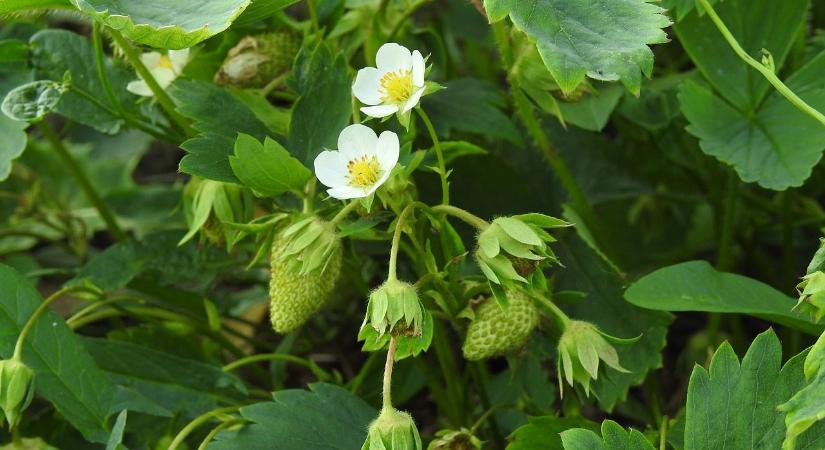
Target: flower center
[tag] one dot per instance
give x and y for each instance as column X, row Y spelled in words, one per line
column 364, row 171
column 397, row 86
column 165, row 62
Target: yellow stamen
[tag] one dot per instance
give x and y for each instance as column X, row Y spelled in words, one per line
column 397, row 86
column 364, row 171
column 165, row 62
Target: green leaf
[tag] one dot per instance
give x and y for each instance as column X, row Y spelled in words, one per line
column 219, row 117
column 173, row 24
column 777, row 147
column 156, row 254
column 325, row 417
column 734, row 406
column 472, row 106
column 11, row 6
column 603, row 39
column 544, row 433
column 604, row 306
column 55, row 52
column 737, row 82
column 592, row 111
column 115, row 441
column 32, row 101
column 178, row 384
column 682, row 7
column 261, row 9
column 268, row 169
column 614, row 437
column 65, row 374
column 325, row 104
column 13, row 140
column 697, row 286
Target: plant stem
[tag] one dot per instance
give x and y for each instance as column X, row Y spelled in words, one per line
column 561, row 319
column 309, row 364
column 214, row 432
column 409, row 12
column 466, row 216
column 761, row 68
column 309, row 196
column 198, row 421
column 161, row 96
column 21, row 338
column 439, row 153
column 356, row 113
column 100, row 64
column 387, row 392
column 344, row 212
column 477, row 372
column 725, row 258
column 313, row 15
column 272, row 85
column 83, row 180
column 396, row 239
column 663, row 434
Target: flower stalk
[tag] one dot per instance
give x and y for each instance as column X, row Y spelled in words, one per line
column 439, row 153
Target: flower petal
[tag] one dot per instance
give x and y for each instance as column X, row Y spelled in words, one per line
column 392, row 57
column 413, row 100
column 331, row 168
column 347, row 192
column 139, row 87
column 179, row 59
column 150, row 59
column 356, row 140
column 387, row 149
column 380, row 110
column 366, row 86
column 418, row 69
column 164, row 76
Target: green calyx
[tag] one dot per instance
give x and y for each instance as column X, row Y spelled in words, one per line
column 15, row 389
column 393, row 430
column 309, row 245
column 396, row 309
column 462, row 439
column 498, row 330
column 256, row 60
column 295, row 295
column 512, row 248
column 812, row 294
column 581, row 346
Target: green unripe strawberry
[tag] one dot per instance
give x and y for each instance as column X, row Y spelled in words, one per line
column 257, row 60
column 497, row 331
column 294, row 296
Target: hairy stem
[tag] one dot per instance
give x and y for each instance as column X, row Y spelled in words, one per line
column 761, row 68
column 396, row 239
column 83, row 180
column 387, row 391
column 309, row 364
column 198, row 421
column 344, row 212
column 466, row 216
column 439, row 153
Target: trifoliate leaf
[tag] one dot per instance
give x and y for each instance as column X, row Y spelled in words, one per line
column 614, row 437
column 173, row 24
column 268, row 169
column 603, row 39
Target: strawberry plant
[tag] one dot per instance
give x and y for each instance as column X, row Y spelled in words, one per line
column 412, row 224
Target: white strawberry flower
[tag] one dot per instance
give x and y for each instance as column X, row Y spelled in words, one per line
column 164, row 68
column 395, row 85
column 362, row 163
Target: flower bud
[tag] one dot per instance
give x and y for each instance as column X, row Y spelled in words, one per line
column 580, row 348
column 393, row 430
column 16, row 389
column 257, row 60
column 462, row 439
column 512, row 248
column 396, row 309
column 812, row 294
column 498, row 330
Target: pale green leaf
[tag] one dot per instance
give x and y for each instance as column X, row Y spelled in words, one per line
column 614, row 437
column 603, row 39
column 268, row 168
column 173, row 24
column 544, row 432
